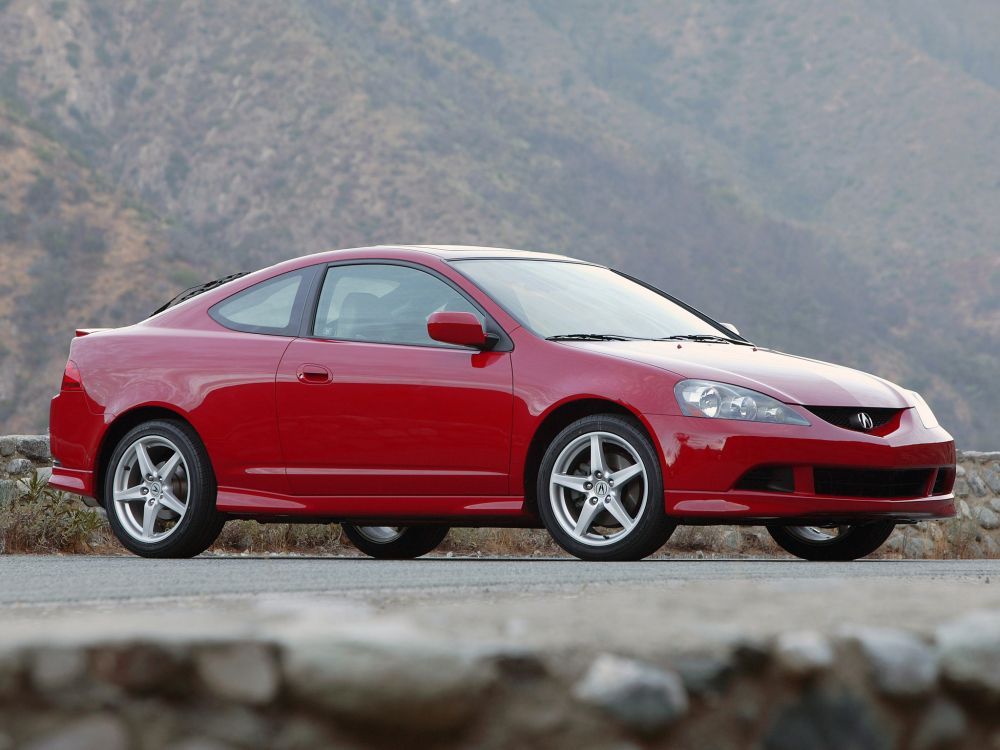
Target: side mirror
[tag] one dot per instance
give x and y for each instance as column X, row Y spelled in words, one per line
column 461, row 328
column 732, row 328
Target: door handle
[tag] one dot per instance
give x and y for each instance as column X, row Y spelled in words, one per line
column 312, row 374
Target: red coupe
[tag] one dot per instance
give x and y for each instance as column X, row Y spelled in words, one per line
column 403, row 390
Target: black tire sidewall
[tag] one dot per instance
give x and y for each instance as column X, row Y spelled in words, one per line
column 859, row 541
column 414, row 541
column 201, row 523
column 654, row 526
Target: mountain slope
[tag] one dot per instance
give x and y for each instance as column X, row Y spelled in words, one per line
column 810, row 172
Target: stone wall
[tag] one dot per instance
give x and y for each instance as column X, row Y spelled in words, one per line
column 401, row 687
column 20, row 456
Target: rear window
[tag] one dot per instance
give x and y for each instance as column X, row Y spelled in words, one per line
column 272, row 307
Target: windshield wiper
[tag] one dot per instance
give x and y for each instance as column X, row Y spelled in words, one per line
column 589, row 337
column 704, row 338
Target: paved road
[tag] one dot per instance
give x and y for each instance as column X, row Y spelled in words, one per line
column 648, row 607
column 65, row 580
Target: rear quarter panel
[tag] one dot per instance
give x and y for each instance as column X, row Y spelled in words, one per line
column 221, row 381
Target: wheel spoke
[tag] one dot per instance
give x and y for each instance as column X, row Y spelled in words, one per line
column 145, row 464
column 149, row 513
column 169, row 467
column 569, row 481
column 622, row 476
column 596, row 455
column 615, row 508
column 586, row 519
column 129, row 495
column 169, row 501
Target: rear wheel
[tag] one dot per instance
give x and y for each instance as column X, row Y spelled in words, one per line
column 832, row 543
column 600, row 491
column 159, row 492
column 395, row 542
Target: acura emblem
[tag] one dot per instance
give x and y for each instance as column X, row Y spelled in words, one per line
column 862, row 421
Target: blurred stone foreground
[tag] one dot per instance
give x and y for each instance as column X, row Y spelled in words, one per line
column 289, row 673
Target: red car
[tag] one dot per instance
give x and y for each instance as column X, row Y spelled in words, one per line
column 403, row 390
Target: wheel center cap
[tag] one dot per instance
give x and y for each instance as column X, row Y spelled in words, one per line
column 156, row 489
column 601, row 488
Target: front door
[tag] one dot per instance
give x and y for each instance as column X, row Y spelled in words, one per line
column 371, row 405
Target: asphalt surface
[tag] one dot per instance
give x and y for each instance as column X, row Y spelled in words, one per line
column 562, row 605
column 81, row 579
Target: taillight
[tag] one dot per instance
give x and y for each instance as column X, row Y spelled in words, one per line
column 71, row 377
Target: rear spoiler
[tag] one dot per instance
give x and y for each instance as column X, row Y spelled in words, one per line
column 87, row 331
column 194, row 291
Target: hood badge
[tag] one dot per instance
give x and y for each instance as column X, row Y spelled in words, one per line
column 862, row 421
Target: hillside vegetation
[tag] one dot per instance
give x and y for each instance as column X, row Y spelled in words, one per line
column 822, row 174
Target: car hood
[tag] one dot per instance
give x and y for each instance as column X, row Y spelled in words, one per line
column 792, row 379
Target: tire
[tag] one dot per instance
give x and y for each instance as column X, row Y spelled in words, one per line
column 585, row 514
column 185, row 522
column 843, row 543
column 395, row 542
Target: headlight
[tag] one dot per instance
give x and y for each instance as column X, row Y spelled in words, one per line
column 924, row 411
column 703, row 398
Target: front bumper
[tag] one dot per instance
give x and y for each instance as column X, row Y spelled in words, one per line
column 704, row 461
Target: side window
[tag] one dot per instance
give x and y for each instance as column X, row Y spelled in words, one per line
column 273, row 306
column 387, row 304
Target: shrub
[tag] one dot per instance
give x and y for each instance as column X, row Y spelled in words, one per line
column 39, row 519
column 43, row 195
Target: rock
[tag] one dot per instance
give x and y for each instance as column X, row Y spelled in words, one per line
column 803, row 653
column 704, row 674
column 962, row 509
column 639, row 696
column 828, row 721
column 732, row 541
column 916, row 547
column 10, row 490
column 959, row 471
column 245, row 673
column 199, row 743
column 992, row 478
column 943, row 726
column 54, row 669
column 7, row 445
column 977, row 486
column 35, row 447
column 18, row 467
column 970, row 653
column 902, row 665
column 93, row 733
column 394, row 679
column 994, row 504
column 140, row 667
column 987, row 518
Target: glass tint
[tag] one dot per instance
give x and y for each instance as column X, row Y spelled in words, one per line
column 555, row 298
column 386, row 304
column 267, row 307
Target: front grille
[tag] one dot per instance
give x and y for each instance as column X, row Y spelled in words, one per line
column 871, row 482
column 841, row 415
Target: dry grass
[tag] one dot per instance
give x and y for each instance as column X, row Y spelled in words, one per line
column 40, row 520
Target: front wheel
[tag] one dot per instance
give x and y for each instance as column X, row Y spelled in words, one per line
column 600, row 491
column 395, row 542
column 832, row 543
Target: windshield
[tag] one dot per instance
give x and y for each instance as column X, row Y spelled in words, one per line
column 556, row 298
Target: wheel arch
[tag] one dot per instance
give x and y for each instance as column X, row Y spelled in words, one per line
column 561, row 416
column 120, row 427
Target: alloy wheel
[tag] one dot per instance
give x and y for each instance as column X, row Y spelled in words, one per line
column 151, row 491
column 598, row 488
